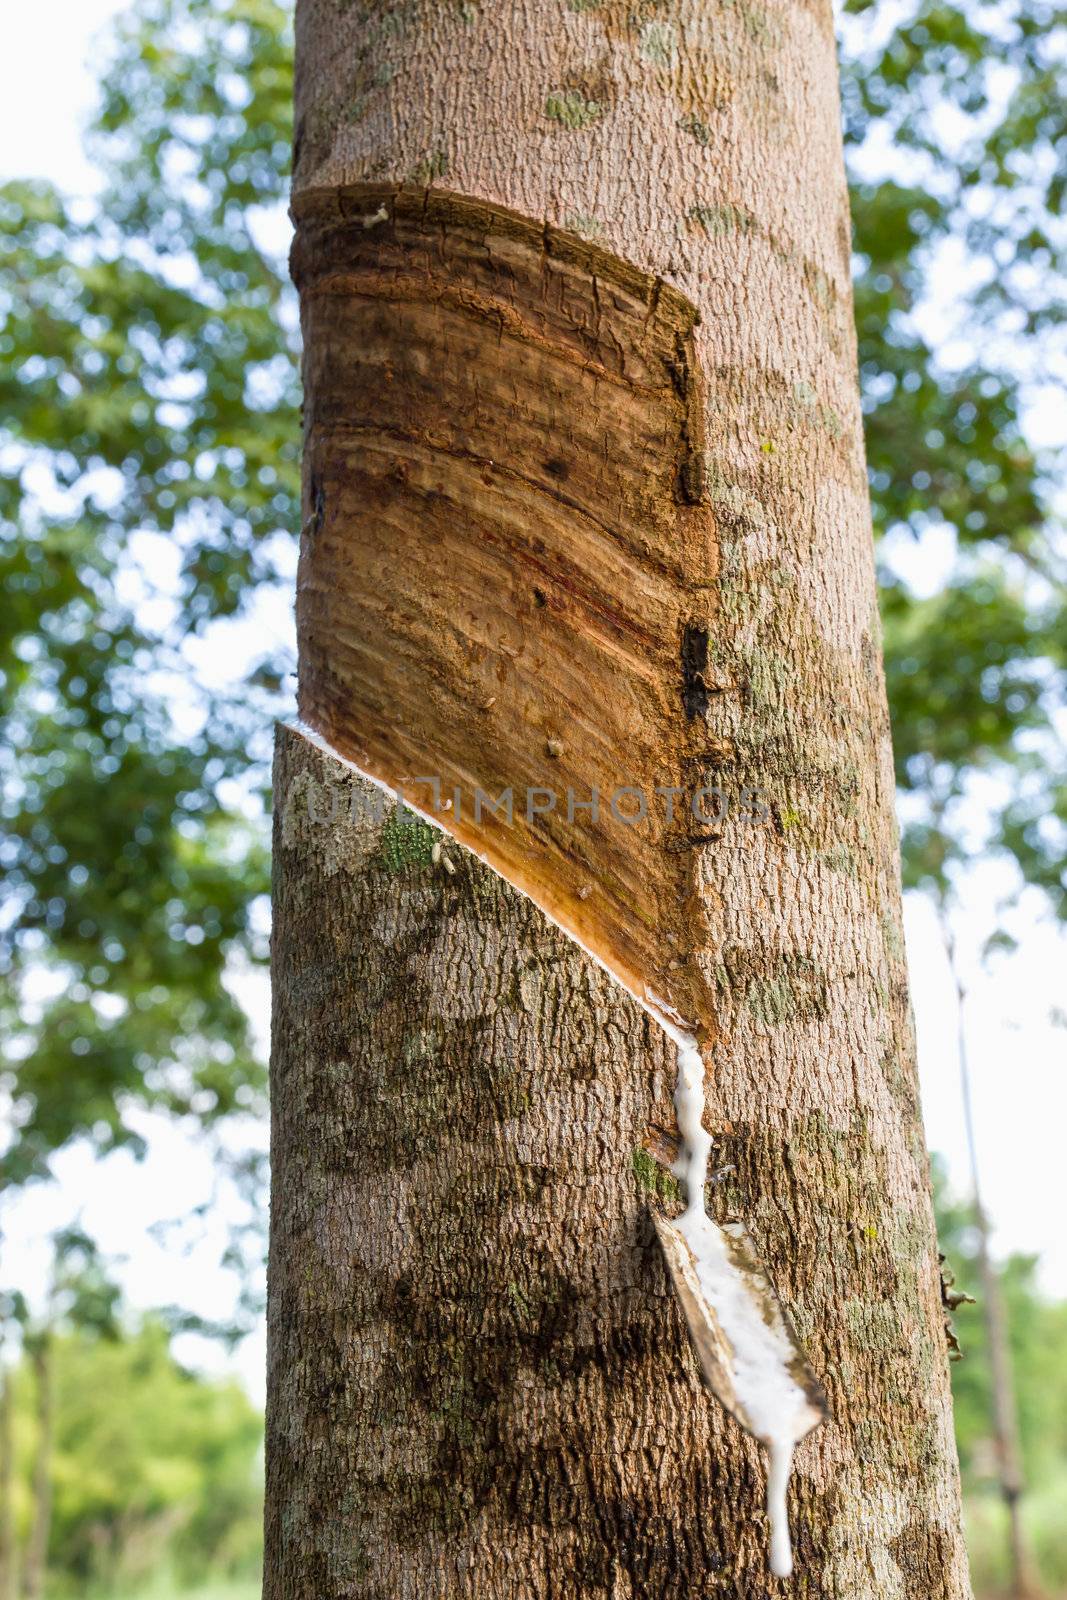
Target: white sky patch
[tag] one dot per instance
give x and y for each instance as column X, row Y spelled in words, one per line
column 48, row 88
column 1018, row 1065
column 126, row 1206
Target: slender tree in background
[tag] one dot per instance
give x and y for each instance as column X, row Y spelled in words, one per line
column 585, row 504
column 994, row 1310
column 7, row 1520
column 13, row 1320
column 35, row 1555
column 81, row 1296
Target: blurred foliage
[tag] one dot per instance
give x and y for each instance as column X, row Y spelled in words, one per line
column 955, row 121
column 149, row 495
column 154, row 1469
column 81, row 1295
column 1038, row 1334
column 148, row 477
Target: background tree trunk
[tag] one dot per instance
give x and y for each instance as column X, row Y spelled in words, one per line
column 1024, row 1580
column 35, row 1557
column 7, row 1522
column 479, row 1383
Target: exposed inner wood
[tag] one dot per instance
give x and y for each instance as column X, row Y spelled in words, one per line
column 508, row 564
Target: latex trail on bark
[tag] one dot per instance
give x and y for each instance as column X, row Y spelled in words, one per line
column 746, row 1347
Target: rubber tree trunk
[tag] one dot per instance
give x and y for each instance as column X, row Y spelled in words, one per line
column 585, row 506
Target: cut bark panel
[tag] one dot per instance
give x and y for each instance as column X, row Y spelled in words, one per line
column 508, row 569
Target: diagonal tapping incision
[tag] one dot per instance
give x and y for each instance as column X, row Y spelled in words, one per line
column 504, row 563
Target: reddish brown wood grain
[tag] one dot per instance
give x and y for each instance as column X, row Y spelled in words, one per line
column 507, row 541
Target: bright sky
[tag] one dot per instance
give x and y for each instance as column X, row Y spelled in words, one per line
column 1020, row 1083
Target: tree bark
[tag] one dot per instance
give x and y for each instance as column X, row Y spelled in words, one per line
column 586, row 507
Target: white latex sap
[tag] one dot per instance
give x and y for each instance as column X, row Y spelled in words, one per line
column 776, row 1407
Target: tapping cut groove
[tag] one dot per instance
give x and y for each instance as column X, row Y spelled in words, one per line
column 508, row 541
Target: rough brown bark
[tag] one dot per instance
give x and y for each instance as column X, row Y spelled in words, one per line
column 479, row 1384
